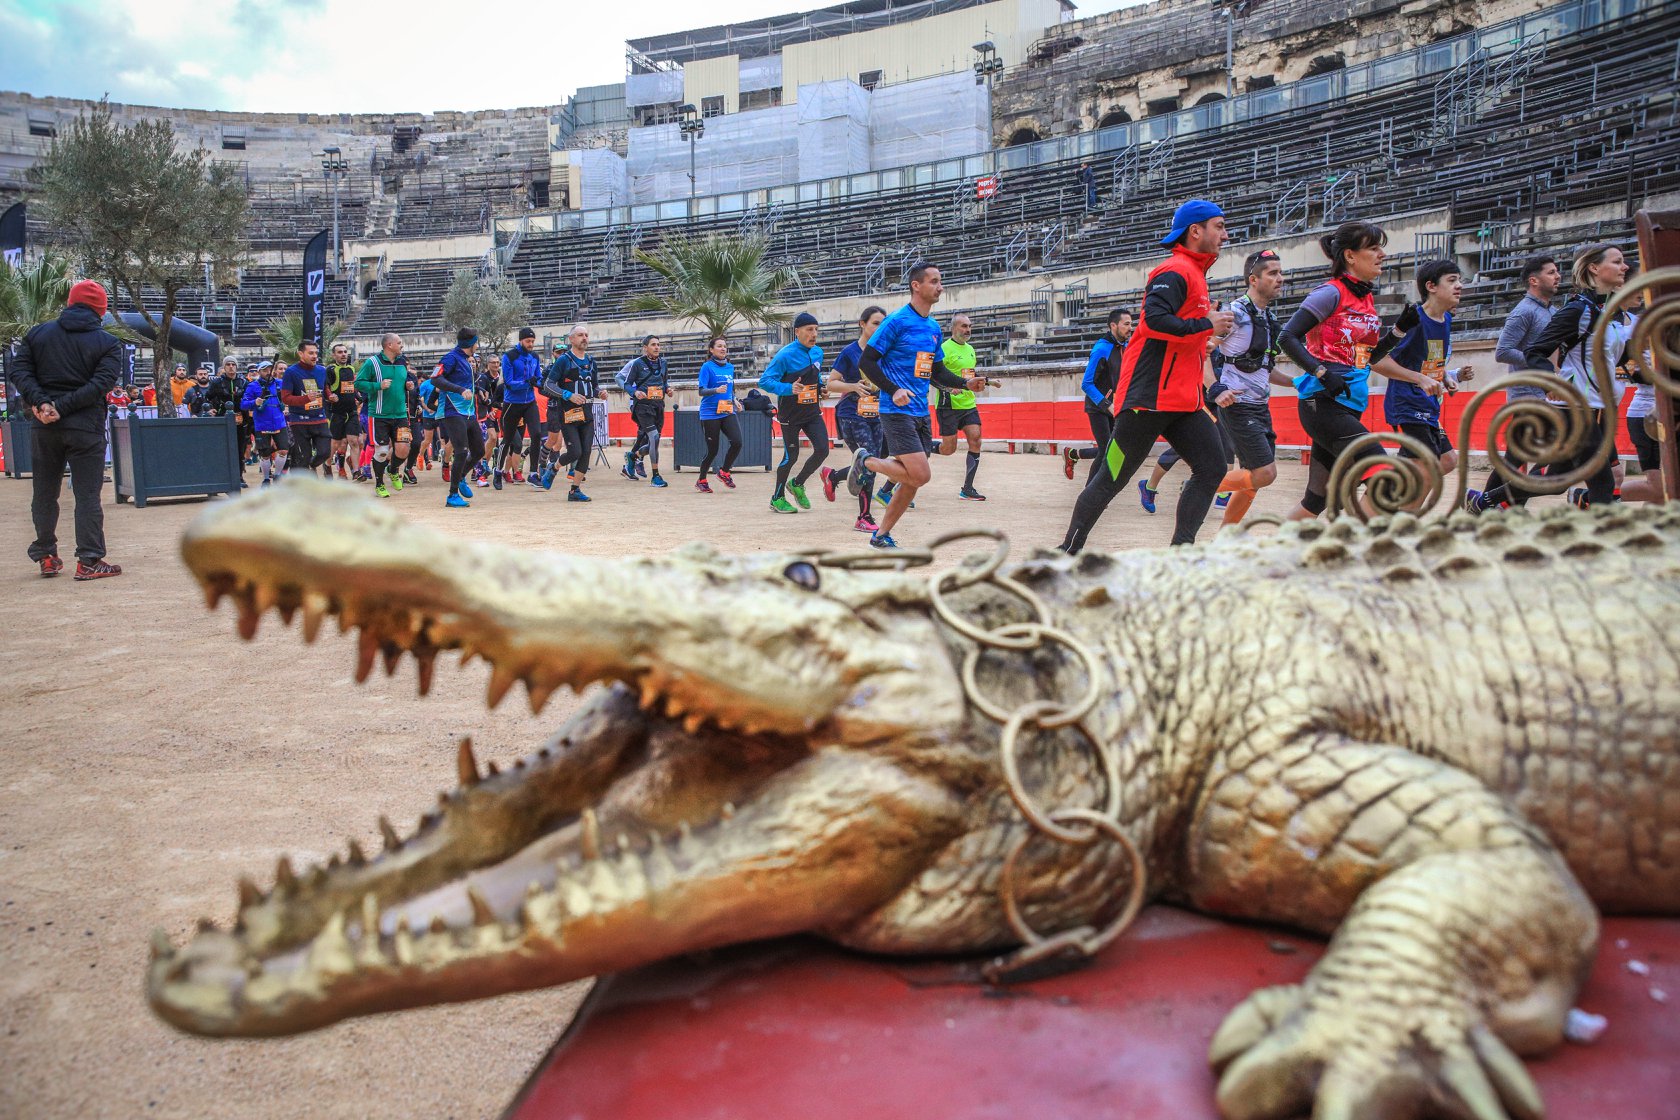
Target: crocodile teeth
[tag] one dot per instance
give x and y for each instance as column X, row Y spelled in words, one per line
column 466, row 764
column 591, row 839
column 366, row 650
column 482, row 914
column 393, row 657
column 264, row 597
column 315, row 607
column 501, row 679
column 162, row 947
column 692, row 721
column 427, row 664
column 538, row 692
column 389, row 834
column 284, row 877
column 249, row 893
column 357, row 857
column 248, row 616
column 650, row 693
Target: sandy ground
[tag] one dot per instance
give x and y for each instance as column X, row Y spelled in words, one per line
column 150, row 758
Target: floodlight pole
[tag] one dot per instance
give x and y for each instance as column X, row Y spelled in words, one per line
column 692, row 126
column 334, row 167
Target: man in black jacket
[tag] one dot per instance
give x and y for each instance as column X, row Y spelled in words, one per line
column 63, row 371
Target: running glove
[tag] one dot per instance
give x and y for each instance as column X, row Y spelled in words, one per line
column 1334, row 381
column 1407, row 320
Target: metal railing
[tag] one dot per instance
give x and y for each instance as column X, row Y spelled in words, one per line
column 874, row 277
column 1015, row 253
column 1290, row 209
column 1340, row 193
column 1055, row 235
column 1042, row 301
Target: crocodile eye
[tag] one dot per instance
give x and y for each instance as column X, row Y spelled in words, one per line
column 804, row 573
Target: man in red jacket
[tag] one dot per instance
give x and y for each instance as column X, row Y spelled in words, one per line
column 1158, row 394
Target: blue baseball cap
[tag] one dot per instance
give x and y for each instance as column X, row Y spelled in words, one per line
column 1187, row 215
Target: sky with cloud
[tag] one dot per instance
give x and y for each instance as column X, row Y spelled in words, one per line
column 334, row 56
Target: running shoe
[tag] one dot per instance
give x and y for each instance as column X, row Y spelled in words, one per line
column 342, row 473
column 380, row 491
column 496, row 480
column 798, row 493
column 443, row 471
column 51, row 566
column 1473, row 502
column 1222, row 499
column 576, row 495
column 466, row 491
column 657, row 481
column 970, row 494
column 395, row 482
column 827, row 476
column 518, row 476
column 1146, row 496
column 1578, row 497
column 267, row 482
column 879, row 539
column 641, row 469
column 884, row 494
column 629, row 468
column 782, row 505
column 1068, row 461
column 703, row 486
column 547, row 482
column 727, row 479
column 455, row 501
column 865, row 525
column 854, row 477
column 96, row 570
column 409, row 478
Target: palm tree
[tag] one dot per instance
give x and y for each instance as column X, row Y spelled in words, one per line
column 716, row 282
column 31, row 294
column 284, row 333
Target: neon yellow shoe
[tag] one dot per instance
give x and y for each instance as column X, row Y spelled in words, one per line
column 395, row 482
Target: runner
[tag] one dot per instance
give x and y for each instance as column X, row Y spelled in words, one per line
column 521, row 372
column 1159, row 392
column 794, row 375
column 572, row 390
column 344, row 414
column 301, row 393
column 903, row 359
column 454, row 377
column 221, row 398
column 261, row 402
column 717, row 413
column 1416, row 368
column 858, row 417
column 1642, row 428
column 955, row 410
column 487, row 400
column 1334, row 336
column 385, row 382
column 421, row 423
column 644, row 378
column 1242, row 389
column 1599, row 270
column 1097, row 386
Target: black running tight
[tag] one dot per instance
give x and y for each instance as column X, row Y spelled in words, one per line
column 813, row 430
column 730, row 429
column 519, row 423
column 1192, row 434
column 1601, row 487
column 1331, row 427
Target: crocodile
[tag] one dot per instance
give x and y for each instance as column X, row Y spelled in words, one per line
column 1446, row 744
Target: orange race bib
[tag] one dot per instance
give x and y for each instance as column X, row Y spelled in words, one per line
column 868, row 406
column 1361, row 355
column 807, row 394
column 404, row 435
column 1435, row 365
column 573, row 416
column 655, row 393
column 725, row 407
column 924, row 365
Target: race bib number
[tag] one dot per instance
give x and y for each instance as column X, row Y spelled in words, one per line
column 1361, row 355
column 573, row 416
column 924, row 364
column 725, row 407
column 404, row 435
column 868, row 406
column 807, row 394
column 1435, row 365
column 655, row 393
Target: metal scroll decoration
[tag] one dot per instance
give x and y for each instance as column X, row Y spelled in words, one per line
column 1076, row 826
column 1536, row 431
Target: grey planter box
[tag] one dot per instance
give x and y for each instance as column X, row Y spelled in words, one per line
column 690, row 440
column 184, row 456
column 20, row 454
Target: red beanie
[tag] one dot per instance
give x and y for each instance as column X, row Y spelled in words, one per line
column 89, row 294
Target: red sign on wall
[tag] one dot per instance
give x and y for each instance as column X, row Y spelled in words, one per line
column 985, row 187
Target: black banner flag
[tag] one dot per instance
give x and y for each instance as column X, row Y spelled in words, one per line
column 11, row 235
column 314, row 287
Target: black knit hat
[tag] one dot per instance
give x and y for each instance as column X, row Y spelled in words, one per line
column 804, row 319
column 466, row 336
column 526, row 332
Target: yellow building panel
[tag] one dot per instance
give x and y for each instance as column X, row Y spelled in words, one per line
column 713, row 77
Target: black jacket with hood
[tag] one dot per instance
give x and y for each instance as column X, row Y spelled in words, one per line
column 71, row 364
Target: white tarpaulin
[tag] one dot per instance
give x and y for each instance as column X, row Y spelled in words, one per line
column 833, row 130
column 739, row 152
column 760, row 73
column 663, row 88
column 602, row 178
column 931, row 119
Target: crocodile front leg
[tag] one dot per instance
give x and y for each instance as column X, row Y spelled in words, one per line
column 1462, row 936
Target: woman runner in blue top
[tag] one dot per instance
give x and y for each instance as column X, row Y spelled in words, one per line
column 717, row 413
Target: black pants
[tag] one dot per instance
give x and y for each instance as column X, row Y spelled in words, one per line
column 649, row 418
column 730, row 429
column 1331, row 427
column 1192, row 434
column 1601, row 487
column 514, row 417
column 312, row 445
column 813, row 430
column 53, row 446
column 466, row 444
column 579, row 438
column 1102, row 426
column 1169, row 458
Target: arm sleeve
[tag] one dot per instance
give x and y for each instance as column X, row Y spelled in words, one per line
column 1384, row 346
column 623, row 377
column 771, row 383
column 944, row 377
column 1312, row 312
column 1088, row 384
column 870, row 366
column 1160, row 307
column 1560, row 335
column 104, row 379
column 1508, row 350
column 23, row 377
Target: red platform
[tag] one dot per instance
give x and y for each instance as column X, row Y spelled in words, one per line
column 801, row 1029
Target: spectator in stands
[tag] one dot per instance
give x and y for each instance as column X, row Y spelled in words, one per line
column 180, row 382
column 63, row 369
column 454, row 378
column 1088, row 180
column 1335, row 336
column 1541, row 279
column 521, row 371
column 301, row 391
column 344, row 414
column 1158, row 393
column 1101, row 369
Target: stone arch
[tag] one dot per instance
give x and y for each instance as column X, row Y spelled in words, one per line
column 1210, row 98
column 1113, row 117
column 1022, row 136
